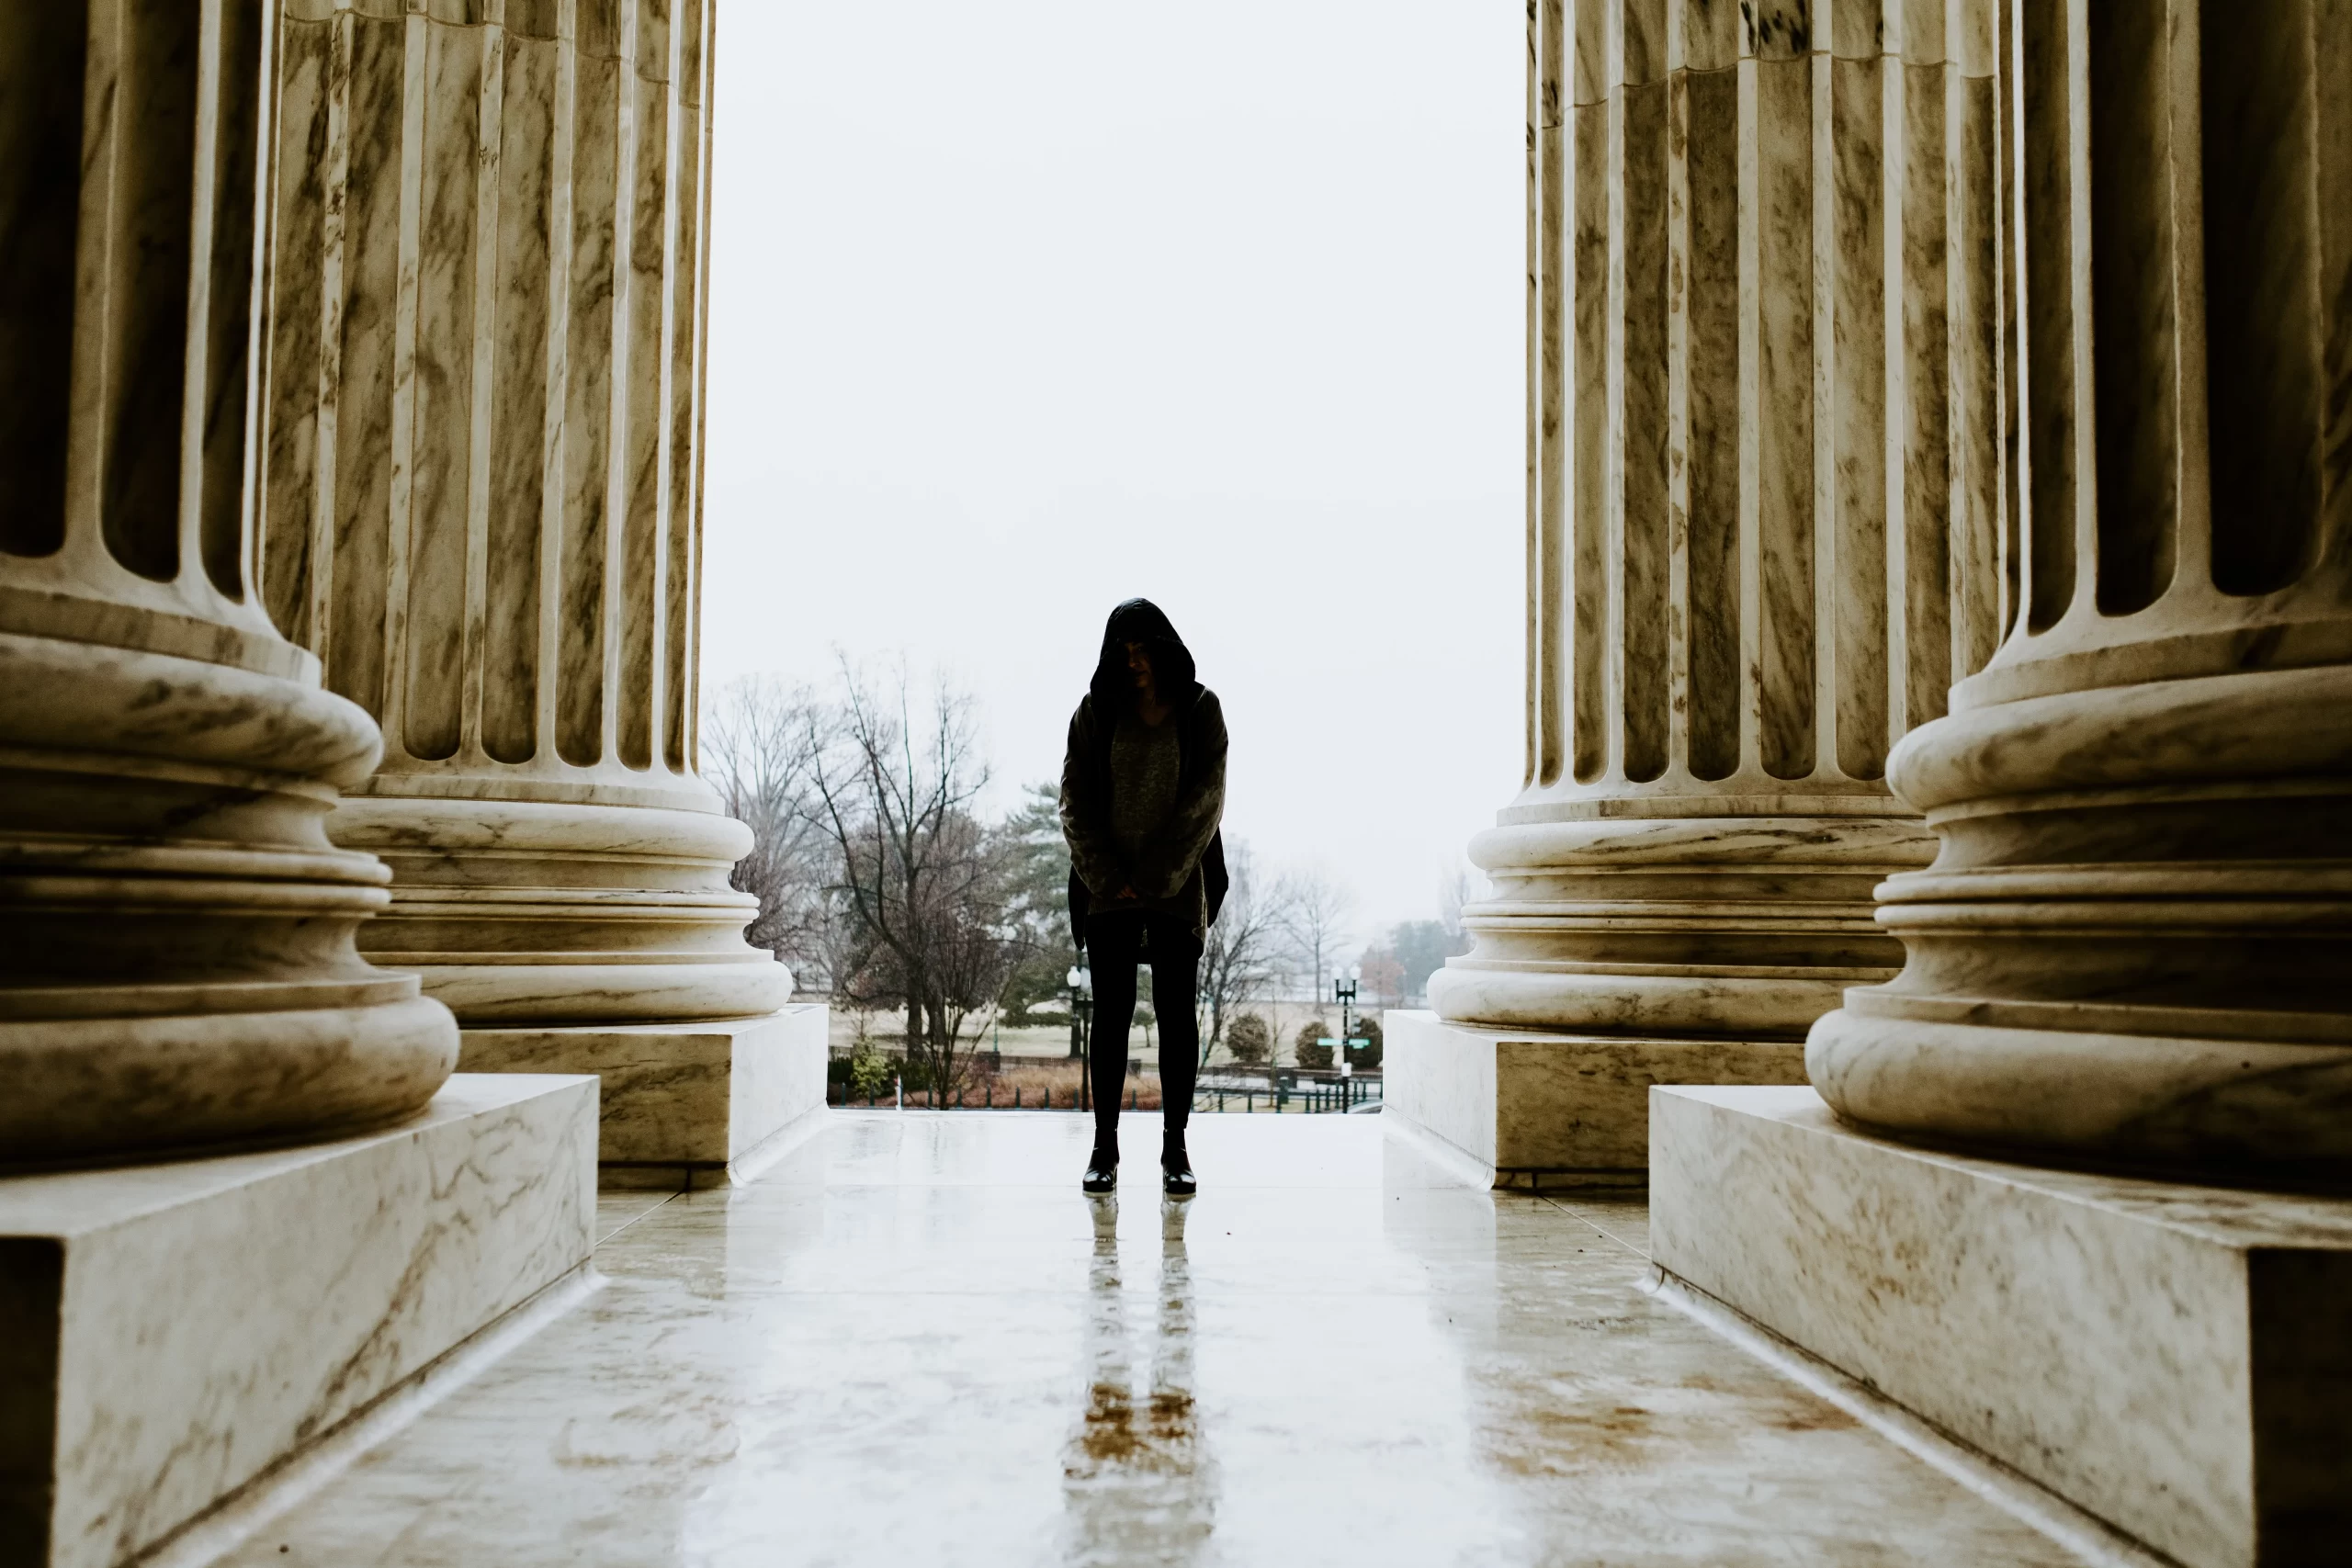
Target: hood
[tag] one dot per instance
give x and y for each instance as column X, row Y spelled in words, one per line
column 1140, row 620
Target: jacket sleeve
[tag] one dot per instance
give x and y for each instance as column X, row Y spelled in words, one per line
column 1086, row 826
column 1170, row 862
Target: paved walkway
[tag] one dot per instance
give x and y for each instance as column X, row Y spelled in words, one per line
column 917, row 1343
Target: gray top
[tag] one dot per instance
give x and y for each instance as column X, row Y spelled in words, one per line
column 1146, row 766
column 1167, row 872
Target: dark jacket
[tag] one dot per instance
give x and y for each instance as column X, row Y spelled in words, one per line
column 1183, row 869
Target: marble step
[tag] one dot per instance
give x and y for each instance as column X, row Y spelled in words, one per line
column 685, row 1105
column 2174, row 1359
column 171, row 1332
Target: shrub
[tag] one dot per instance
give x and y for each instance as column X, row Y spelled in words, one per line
column 1313, row 1048
column 1251, row 1039
column 1364, row 1058
column 865, row 1071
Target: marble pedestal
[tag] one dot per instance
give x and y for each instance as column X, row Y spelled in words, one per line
column 2175, row 1359
column 685, row 1105
column 169, row 1332
column 1538, row 1110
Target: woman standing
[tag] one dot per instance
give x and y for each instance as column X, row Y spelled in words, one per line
column 1143, row 789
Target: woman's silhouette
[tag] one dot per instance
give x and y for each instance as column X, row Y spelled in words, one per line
column 1143, row 789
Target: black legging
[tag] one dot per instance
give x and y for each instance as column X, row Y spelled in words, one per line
column 1116, row 943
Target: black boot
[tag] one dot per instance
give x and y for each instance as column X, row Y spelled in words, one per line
column 1176, row 1176
column 1102, row 1165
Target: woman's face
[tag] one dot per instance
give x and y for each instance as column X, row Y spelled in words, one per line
column 1139, row 666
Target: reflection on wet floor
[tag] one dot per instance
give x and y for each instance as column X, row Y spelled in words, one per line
column 1139, row 1480
column 915, row 1342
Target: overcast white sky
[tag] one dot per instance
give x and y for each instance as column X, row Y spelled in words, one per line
column 1025, row 307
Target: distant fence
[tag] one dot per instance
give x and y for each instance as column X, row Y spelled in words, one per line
column 1337, row 1096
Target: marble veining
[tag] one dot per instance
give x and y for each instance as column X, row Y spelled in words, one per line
column 1546, row 1110
column 2165, row 1356
column 2151, row 975
column 1742, row 927
column 1754, row 437
column 686, row 1100
column 178, row 934
column 478, row 505
column 214, row 1315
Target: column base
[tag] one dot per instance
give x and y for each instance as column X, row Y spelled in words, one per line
column 170, row 1331
column 515, row 996
column 685, row 1105
column 1541, row 1110
column 2175, row 1359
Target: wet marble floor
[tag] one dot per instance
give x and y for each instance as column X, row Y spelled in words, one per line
column 917, row 1343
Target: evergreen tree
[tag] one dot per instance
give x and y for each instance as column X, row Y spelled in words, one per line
column 1038, row 874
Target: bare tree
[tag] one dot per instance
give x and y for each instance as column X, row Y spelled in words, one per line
column 759, row 744
column 1457, row 888
column 1317, row 907
column 1241, row 954
column 921, row 877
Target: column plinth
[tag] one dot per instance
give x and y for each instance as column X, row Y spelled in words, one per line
column 484, row 493
column 178, row 967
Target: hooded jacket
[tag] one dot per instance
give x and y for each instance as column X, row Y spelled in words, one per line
column 1182, row 869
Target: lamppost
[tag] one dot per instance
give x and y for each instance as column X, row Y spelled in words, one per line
column 1343, row 991
column 1081, row 1004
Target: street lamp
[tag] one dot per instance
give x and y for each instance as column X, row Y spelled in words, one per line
column 1343, row 991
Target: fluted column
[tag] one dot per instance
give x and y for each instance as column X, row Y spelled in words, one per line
column 484, row 488
column 1764, row 474
column 2135, row 939
column 177, row 959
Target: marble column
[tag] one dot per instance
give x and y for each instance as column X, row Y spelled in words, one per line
column 2134, row 942
column 2130, row 950
column 1764, row 472
column 482, row 509
column 177, row 959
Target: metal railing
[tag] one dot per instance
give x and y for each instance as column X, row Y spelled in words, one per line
column 1336, row 1096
